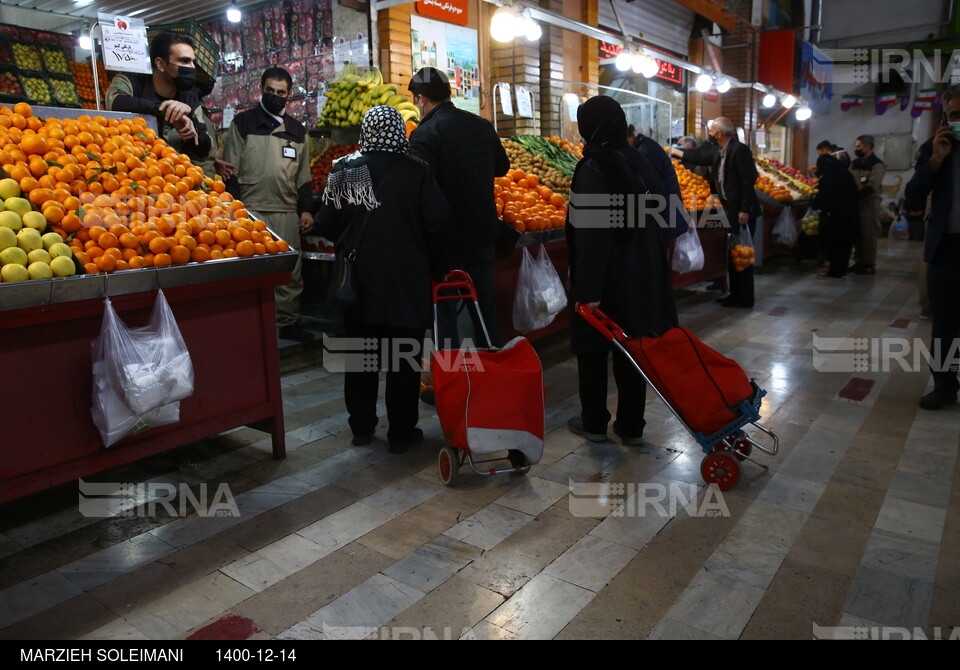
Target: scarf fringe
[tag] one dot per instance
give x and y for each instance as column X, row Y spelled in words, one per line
column 352, row 186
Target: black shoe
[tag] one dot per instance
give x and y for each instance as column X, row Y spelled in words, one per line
column 855, row 268
column 925, row 313
column 297, row 333
column 427, row 397
column 362, row 440
column 866, row 270
column 730, row 302
column 829, row 275
column 575, row 425
column 400, row 447
column 630, row 441
column 938, row 400
column 715, row 286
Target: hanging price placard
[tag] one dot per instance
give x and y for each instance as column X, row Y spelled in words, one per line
column 524, row 102
column 506, row 103
column 125, row 46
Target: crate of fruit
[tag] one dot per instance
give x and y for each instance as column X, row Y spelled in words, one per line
column 54, row 60
column 6, row 56
column 36, row 88
column 207, row 52
column 26, row 56
column 64, row 90
column 83, row 76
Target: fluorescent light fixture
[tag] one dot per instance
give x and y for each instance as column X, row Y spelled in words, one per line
column 769, row 100
column 724, row 85
column 650, row 67
column 804, row 113
column 233, row 14
column 703, row 83
column 504, row 25
column 85, row 42
column 624, row 60
column 788, row 101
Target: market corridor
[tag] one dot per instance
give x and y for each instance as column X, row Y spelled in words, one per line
column 857, row 522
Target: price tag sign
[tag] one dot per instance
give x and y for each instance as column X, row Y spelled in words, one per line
column 360, row 50
column 341, row 53
column 524, row 103
column 506, row 102
column 762, row 139
column 228, row 114
column 125, row 46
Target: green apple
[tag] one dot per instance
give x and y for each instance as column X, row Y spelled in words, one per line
column 13, row 255
column 10, row 220
column 28, row 239
column 19, row 205
column 38, row 255
column 9, row 188
column 50, row 239
column 35, row 220
column 60, row 249
column 8, row 238
column 14, row 272
column 39, row 270
column 62, row 266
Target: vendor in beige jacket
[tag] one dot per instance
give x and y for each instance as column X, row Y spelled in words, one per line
column 868, row 171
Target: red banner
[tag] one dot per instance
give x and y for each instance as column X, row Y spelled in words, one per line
column 451, row 11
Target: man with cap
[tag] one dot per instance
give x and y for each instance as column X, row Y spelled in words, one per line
column 465, row 154
column 169, row 94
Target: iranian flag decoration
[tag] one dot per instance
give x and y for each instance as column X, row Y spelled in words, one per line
column 884, row 101
column 926, row 99
column 848, row 102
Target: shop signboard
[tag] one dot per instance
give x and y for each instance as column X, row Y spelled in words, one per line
column 124, row 41
column 667, row 72
column 451, row 11
column 452, row 50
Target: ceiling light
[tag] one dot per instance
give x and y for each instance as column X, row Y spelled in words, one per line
column 804, row 113
column 637, row 62
column 788, row 101
column 624, row 60
column 233, row 14
column 85, row 42
column 650, row 67
column 504, row 25
column 769, row 100
column 531, row 29
column 703, row 83
column 724, row 85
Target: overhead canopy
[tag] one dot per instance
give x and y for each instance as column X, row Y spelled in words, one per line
column 152, row 12
column 662, row 23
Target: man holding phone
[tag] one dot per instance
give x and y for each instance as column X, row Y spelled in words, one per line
column 938, row 171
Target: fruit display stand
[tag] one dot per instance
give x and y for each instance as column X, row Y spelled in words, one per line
column 225, row 311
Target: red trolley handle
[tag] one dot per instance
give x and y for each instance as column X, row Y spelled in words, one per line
column 455, row 279
column 603, row 323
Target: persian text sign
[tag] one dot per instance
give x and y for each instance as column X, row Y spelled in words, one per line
column 451, row 11
column 125, row 45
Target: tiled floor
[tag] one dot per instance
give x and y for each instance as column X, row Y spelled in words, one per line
column 854, row 527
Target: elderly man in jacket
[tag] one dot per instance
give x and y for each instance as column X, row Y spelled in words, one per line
column 868, row 171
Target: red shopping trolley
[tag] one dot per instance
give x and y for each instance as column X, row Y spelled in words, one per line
column 489, row 401
column 709, row 393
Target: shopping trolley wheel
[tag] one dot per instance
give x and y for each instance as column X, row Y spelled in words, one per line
column 720, row 468
column 738, row 446
column 448, row 463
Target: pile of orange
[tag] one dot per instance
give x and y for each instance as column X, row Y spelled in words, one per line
column 526, row 205
column 694, row 189
column 121, row 197
column 777, row 191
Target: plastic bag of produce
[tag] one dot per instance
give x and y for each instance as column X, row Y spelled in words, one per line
column 742, row 252
column 900, row 229
column 540, row 294
column 687, row 252
column 785, row 230
column 151, row 366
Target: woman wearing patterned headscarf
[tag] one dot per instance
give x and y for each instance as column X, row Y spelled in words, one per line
column 385, row 206
column 622, row 270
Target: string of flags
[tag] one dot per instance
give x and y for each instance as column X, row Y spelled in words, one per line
column 927, row 99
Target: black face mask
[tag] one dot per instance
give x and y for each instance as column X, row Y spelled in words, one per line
column 713, row 140
column 859, row 153
column 273, row 103
column 186, row 78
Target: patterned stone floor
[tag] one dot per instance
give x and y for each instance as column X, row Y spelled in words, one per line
column 854, row 531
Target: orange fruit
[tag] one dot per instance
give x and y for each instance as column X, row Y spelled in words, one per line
column 158, row 245
column 245, row 248
column 106, row 263
column 180, row 255
column 162, row 260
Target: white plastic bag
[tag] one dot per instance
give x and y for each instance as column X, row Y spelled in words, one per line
column 785, row 231
column 151, row 366
column 899, row 229
column 540, row 294
column 687, row 252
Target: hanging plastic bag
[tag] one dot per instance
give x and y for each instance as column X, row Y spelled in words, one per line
column 810, row 224
column 111, row 411
column 900, row 229
column 785, row 232
column 741, row 249
column 540, row 295
column 687, row 252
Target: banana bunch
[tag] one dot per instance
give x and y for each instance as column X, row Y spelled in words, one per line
column 351, row 95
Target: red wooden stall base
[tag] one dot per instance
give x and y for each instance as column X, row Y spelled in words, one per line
column 48, row 437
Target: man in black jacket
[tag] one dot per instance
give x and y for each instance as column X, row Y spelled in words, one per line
column 465, row 155
column 938, row 170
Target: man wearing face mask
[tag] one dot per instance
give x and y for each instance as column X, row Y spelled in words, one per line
column 169, row 94
column 938, row 171
column 271, row 154
column 868, row 171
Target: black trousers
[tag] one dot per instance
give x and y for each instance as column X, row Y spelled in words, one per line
column 398, row 351
column 836, row 246
column 943, row 282
column 631, row 393
column 480, row 268
column 741, row 283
